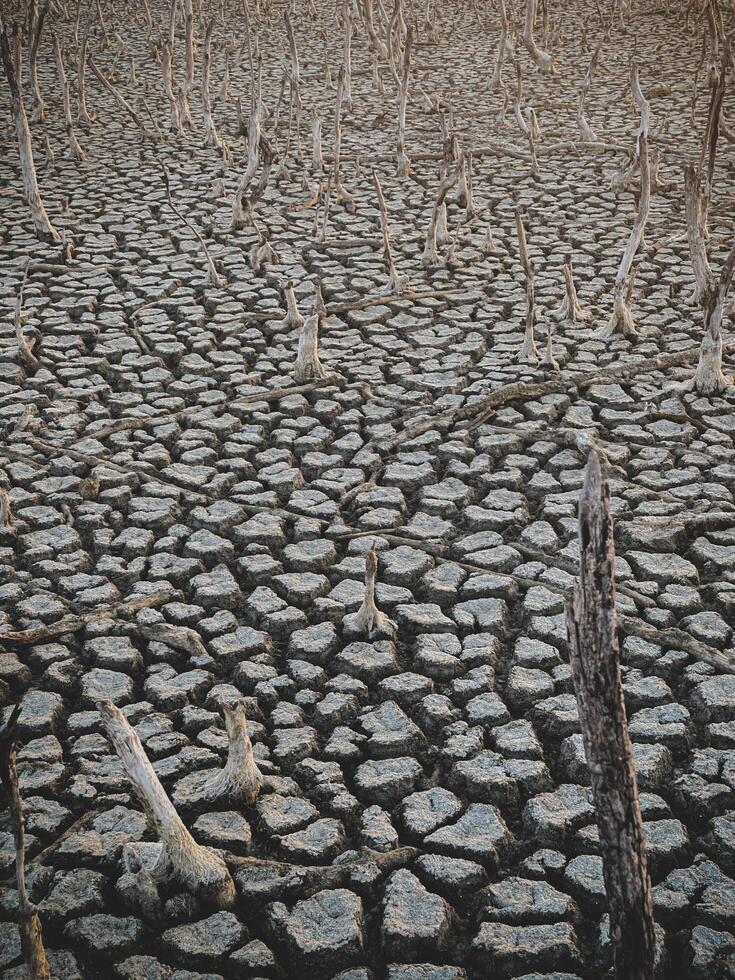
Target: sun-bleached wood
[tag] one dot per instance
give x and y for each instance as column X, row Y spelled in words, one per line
column 308, row 367
column 180, row 858
column 397, row 283
column 11, row 55
column 621, row 320
column 528, row 352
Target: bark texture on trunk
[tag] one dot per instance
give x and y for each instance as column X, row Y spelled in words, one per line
column 621, row 320
column 595, row 661
column 11, row 56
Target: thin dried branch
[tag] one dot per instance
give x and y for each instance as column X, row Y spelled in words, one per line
column 403, row 162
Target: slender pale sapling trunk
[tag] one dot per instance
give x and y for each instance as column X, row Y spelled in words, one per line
column 75, row 150
column 587, row 133
column 621, row 320
column 317, row 158
column 403, row 163
column 431, row 256
column 12, row 59
column 36, row 17
column 211, row 136
column 505, row 49
column 397, row 283
column 528, row 351
column 570, row 308
column 84, row 116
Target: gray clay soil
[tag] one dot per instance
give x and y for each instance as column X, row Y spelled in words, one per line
column 145, row 454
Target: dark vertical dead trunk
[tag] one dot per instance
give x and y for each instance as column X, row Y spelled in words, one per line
column 595, row 660
column 29, row 925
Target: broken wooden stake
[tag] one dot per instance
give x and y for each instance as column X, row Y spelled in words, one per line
column 594, row 657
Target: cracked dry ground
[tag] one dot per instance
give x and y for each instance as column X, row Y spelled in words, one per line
column 234, row 508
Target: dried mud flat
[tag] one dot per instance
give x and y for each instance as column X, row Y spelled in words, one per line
column 157, row 447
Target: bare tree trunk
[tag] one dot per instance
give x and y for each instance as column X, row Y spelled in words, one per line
column 337, row 128
column 12, row 63
column 211, row 136
column 543, row 60
column 570, row 308
column 595, row 661
column 431, row 256
column 528, row 351
column 504, row 48
column 404, row 164
column 308, row 367
column 317, row 159
column 397, row 284
column 709, row 378
column 239, row 218
column 29, row 924
column 75, row 150
column 621, row 320
column 239, row 781
column 175, row 123
column 187, row 87
column 181, row 858
column 696, row 215
column 587, row 133
column 293, row 316
column 369, row 619
column 347, row 55
column 84, row 117
column 36, row 17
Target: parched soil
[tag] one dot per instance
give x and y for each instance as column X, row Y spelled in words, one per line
column 156, row 445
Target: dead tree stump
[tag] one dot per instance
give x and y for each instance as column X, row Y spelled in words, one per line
column 595, row 661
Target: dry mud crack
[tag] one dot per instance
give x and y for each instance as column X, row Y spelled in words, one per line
column 193, row 510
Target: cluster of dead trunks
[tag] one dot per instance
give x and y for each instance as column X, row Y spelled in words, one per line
column 176, row 857
column 389, row 37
